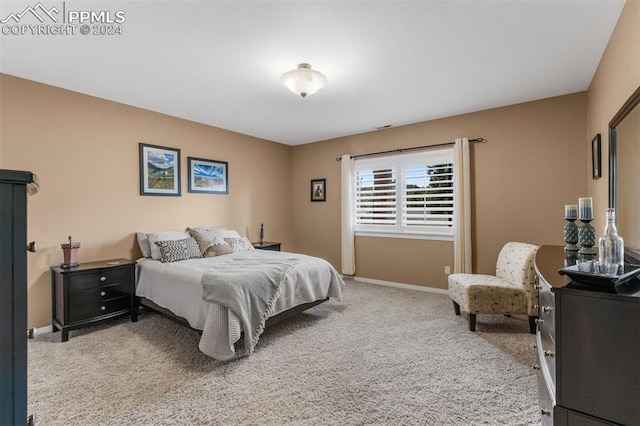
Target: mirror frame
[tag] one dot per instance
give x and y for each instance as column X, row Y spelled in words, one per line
column 628, row 106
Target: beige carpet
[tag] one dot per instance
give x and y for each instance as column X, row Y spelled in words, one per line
column 385, row 356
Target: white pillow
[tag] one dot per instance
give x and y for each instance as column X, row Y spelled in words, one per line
column 143, row 243
column 164, row 236
column 206, row 228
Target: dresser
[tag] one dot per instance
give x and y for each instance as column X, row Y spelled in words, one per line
column 588, row 347
column 92, row 292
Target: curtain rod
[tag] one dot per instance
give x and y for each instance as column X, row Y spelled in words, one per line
column 478, row 140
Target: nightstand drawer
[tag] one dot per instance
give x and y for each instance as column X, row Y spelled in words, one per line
column 96, row 309
column 98, row 294
column 104, row 277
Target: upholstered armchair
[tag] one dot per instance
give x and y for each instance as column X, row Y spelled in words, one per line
column 510, row 292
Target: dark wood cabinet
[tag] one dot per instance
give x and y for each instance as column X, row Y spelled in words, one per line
column 14, row 187
column 92, row 292
column 589, row 367
column 267, row 245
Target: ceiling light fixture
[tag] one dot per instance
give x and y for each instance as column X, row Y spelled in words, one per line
column 303, row 80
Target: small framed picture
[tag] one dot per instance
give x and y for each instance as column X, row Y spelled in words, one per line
column 159, row 170
column 596, row 157
column 208, row 176
column 318, row 190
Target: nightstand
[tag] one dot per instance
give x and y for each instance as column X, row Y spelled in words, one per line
column 267, row 245
column 92, row 292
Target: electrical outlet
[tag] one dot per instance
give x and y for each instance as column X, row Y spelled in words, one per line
column 447, row 270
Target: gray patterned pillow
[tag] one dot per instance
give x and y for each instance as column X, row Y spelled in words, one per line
column 174, row 250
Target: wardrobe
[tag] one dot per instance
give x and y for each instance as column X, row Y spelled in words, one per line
column 15, row 186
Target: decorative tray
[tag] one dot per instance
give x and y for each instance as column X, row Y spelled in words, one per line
column 586, row 277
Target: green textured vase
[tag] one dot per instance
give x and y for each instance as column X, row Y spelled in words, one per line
column 586, row 238
column 571, row 235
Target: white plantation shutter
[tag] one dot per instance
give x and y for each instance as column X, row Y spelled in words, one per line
column 376, row 197
column 408, row 194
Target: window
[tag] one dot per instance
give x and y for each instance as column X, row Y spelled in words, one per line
column 409, row 195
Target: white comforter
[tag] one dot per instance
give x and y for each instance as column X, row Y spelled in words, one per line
column 177, row 286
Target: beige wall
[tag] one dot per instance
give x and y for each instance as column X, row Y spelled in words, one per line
column 85, row 153
column 617, row 77
column 533, row 164
column 538, row 158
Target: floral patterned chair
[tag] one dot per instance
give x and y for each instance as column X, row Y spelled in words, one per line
column 510, row 292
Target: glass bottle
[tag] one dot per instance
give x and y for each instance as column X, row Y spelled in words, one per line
column 611, row 246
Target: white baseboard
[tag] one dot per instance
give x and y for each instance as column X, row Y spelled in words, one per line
column 401, row 285
column 42, row 330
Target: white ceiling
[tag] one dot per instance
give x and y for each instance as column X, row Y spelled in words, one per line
column 388, row 62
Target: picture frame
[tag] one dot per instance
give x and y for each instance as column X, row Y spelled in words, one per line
column 596, row 157
column 208, row 176
column 159, row 170
column 318, row 190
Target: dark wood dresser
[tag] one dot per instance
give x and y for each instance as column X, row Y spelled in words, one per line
column 588, row 345
column 92, row 292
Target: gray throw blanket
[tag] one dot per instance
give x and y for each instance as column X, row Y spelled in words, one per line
column 248, row 287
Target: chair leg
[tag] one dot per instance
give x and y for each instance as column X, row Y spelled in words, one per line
column 456, row 308
column 472, row 322
column 532, row 324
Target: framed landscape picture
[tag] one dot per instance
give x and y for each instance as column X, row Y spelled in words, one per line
column 208, row 176
column 159, row 170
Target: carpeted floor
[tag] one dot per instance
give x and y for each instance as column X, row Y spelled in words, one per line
column 385, row 356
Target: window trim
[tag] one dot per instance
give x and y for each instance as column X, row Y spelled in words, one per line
column 399, row 162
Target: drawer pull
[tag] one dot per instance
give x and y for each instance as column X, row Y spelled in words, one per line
column 548, row 353
column 103, row 279
column 545, row 412
column 546, row 309
column 102, row 293
column 535, row 367
column 539, row 321
column 102, row 308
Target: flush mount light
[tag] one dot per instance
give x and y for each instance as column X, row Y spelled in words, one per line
column 303, row 80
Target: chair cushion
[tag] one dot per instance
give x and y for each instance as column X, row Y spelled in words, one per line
column 487, row 294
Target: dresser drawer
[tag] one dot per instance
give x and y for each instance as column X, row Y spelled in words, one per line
column 98, row 294
column 98, row 278
column 546, row 335
column 546, row 313
column 546, row 399
column 97, row 309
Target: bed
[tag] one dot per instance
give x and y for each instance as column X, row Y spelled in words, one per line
column 178, row 288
